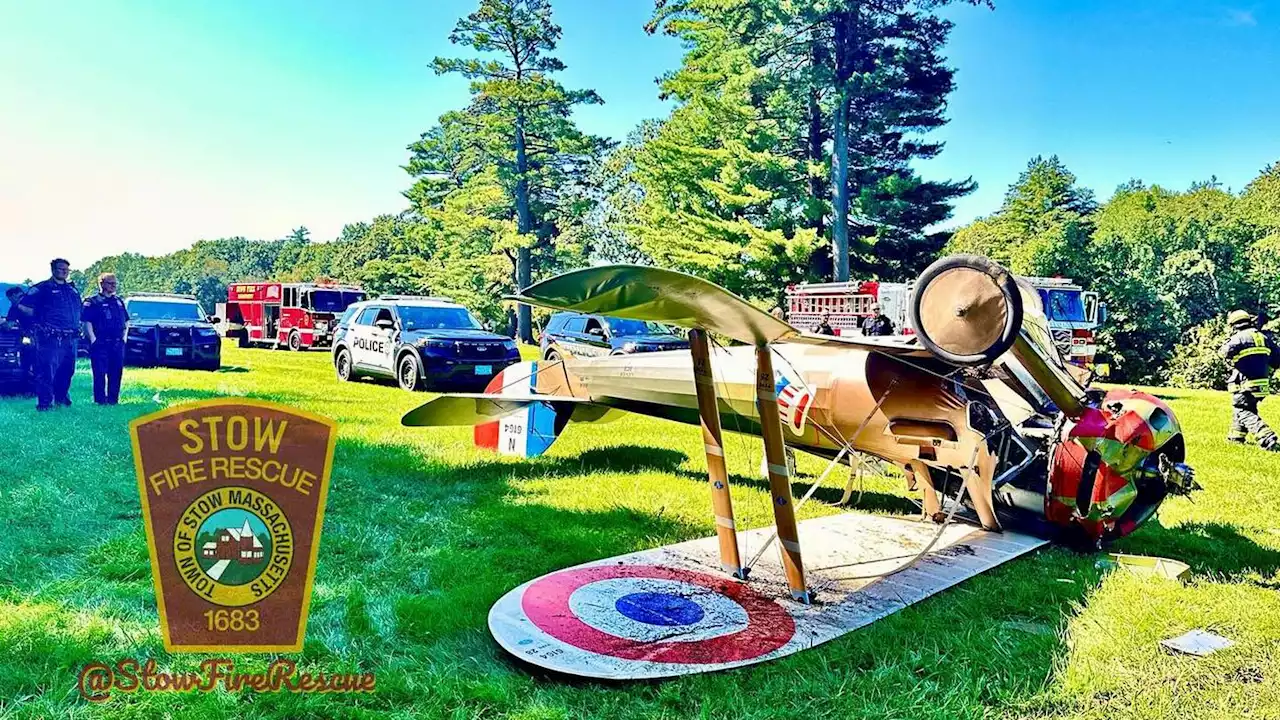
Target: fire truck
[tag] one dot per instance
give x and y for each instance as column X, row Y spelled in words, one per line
column 292, row 315
column 1074, row 314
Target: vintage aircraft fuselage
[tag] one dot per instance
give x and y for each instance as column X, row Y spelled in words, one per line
column 906, row 411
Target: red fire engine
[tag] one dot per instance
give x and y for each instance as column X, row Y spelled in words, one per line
column 1073, row 314
column 292, row 315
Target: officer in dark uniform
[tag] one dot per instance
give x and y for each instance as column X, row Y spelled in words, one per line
column 1252, row 355
column 105, row 319
column 53, row 308
column 824, row 325
column 18, row 320
column 878, row 324
column 15, row 315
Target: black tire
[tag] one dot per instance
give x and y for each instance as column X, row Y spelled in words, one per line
column 553, row 356
column 295, row 341
column 409, row 372
column 342, row 365
column 1010, row 296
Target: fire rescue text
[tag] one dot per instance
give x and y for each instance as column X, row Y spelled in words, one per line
column 235, row 434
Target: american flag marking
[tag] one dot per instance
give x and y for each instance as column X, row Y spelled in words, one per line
column 794, row 401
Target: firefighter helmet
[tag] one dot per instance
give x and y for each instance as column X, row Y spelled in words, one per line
column 1239, row 317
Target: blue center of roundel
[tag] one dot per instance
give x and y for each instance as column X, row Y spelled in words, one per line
column 653, row 608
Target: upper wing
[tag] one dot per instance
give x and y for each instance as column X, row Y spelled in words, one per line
column 640, row 292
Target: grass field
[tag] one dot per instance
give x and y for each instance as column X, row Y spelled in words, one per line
column 423, row 533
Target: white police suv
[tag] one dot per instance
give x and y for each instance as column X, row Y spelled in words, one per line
column 421, row 343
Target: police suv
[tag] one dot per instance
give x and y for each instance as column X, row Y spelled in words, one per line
column 172, row 331
column 421, row 342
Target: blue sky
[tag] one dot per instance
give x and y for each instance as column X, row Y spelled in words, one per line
column 144, row 125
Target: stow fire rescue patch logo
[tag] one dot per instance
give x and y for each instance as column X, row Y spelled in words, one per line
column 233, row 495
column 794, row 401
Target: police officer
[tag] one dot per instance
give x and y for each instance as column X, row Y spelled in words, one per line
column 824, row 326
column 105, row 318
column 53, row 308
column 18, row 321
column 1252, row 356
column 878, row 324
column 14, row 315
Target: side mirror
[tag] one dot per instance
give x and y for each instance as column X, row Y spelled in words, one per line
column 384, row 324
column 213, row 320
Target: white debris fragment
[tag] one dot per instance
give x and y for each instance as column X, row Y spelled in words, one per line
column 1197, row 642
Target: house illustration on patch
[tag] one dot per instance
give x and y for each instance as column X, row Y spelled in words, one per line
column 240, row 545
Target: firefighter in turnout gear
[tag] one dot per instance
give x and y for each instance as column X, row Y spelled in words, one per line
column 1252, row 355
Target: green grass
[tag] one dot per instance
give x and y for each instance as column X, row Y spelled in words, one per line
column 423, row 533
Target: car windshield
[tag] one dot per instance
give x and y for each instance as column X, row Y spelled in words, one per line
column 1064, row 305
column 333, row 301
column 162, row 310
column 420, row 317
column 623, row 327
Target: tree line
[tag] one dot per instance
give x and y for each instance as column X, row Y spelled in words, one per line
column 788, row 157
column 1168, row 264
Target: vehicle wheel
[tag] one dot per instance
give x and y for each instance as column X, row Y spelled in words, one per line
column 553, row 356
column 615, row 353
column 342, row 364
column 407, row 373
column 242, row 339
column 967, row 310
column 295, row 341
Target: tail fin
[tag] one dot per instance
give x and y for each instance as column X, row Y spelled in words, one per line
column 511, row 416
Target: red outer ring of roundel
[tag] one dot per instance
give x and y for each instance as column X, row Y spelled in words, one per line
column 769, row 625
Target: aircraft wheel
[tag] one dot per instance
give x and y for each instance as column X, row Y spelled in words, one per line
column 967, row 310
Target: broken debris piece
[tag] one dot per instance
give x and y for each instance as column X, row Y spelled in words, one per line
column 1197, row 642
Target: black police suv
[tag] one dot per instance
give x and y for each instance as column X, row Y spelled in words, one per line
column 570, row 333
column 170, row 331
column 15, row 350
column 421, row 343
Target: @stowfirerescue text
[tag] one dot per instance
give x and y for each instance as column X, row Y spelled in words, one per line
column 99, row 681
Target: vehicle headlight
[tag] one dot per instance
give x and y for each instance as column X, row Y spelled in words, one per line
column 137, row 333
column 510, row 346
column 26, row 340
column 206, row 333
column 438, row 344
column 630, row 347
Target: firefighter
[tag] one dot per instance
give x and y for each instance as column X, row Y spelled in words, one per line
column 1252, row 356
column 53, row 309
column 877, row 324
column 105, row 318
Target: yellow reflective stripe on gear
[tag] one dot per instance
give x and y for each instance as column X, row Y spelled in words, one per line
column 1259, row 339
column 1252, row 351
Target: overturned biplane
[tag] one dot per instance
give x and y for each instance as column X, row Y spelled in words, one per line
column 977, row 409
